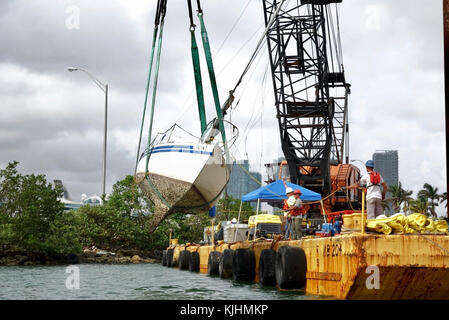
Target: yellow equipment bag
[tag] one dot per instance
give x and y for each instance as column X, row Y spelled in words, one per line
column 402, row 224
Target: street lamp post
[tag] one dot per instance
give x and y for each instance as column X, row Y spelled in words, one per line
column 104, row 88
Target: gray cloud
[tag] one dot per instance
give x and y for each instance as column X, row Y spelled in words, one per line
column 52, row 120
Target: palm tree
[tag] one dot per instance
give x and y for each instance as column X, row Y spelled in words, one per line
column 385, row 205
column 443, row 198
column 431, row 194
column 408, row 204
column 420, row 205
column 399, row 196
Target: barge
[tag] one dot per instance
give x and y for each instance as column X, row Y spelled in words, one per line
column 346, row 266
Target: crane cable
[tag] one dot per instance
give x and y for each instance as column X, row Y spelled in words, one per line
column 270, row 23
column 160, row 15
column 156, row 77
column 186, row 103
column 160, row 8
column 161, row 11
column 232, row 28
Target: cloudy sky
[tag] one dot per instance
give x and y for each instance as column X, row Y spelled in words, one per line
column 52, row 120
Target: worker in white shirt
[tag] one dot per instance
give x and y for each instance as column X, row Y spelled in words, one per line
column 374, row 196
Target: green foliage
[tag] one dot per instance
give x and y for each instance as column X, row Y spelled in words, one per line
column 185, row 228
column 426, row 200
column 195, row 227
column 63, row 237
column 399, row 196
column 29, row 205
column 385, row 205
column 32, row 219
column 228, row 208
column 420, row 205
column 443, row 198
column 23, row 195
column 7, row 235
column 431, row 196
column 105, row 227
column 161, row 236
column 128, row 199
column 123, row 222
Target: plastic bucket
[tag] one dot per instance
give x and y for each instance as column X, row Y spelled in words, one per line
column 357, row 220
column 348, row 221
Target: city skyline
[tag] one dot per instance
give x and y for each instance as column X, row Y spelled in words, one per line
column 386, row 162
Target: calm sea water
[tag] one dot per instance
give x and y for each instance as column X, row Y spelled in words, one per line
column 128, row 282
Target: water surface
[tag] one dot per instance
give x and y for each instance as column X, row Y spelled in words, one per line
column 129, row 282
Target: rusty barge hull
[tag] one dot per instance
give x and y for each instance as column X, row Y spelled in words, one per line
column 413, row 266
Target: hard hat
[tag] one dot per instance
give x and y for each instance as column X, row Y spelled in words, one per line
column 234, row 221
column 288, row 190
column 369, row 164
column 297, row 191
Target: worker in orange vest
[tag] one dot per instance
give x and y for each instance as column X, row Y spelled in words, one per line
column 294, row 211
column 291, row 200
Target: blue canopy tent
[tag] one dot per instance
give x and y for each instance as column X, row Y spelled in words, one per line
column 276, row 191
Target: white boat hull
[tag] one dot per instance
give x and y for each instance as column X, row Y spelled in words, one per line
column 184, row 177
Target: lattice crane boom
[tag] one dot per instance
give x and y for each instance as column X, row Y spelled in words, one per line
column 311, row 93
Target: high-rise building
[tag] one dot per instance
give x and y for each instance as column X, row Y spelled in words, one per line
column 386, row 162
column 240, row 183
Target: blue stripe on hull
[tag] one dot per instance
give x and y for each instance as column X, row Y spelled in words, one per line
column 176, row 148
column 182, row 150
column 172, row 147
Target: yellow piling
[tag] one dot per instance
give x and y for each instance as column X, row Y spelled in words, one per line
column 169, row 240
column 213, row 233
column 363, row 210
column 324, row 212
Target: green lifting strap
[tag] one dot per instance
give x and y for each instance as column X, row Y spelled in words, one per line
column 146, row 94
column 153, row 102
column 197, row 71
column 198, row 82
column 213, row 82
column 160, row 13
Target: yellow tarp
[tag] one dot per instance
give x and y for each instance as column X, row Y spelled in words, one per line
column 402, row 224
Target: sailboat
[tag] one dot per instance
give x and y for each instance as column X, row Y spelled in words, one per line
column 184, row 174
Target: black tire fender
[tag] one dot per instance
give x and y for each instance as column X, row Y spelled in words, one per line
column 194, row 262
column 184, row 260
column 291, row 267
column 243, row 265
column 164, row 258
column 169, row 257
column 267, row 267
column 213, row 263
column 225, row 265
